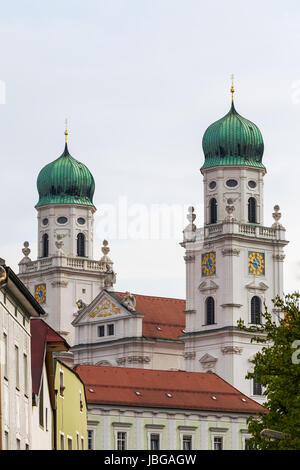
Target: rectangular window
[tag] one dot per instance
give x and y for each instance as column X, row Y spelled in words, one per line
column 62, row 442
column 6, row 444
column 46, row 418
column 82, row 443
column 25, row 360
column 111, row 330
column 257, row 388
column 80, row 402
column 187, row 442
column 4, row 355
column 26, row 446
column 77, row 440
column 41, row 405
column 218, row 443
column 247, row 445
column 121, row 440
column 61, row 383
column 101, row 330
column 154, row 442
column 70, row 443
column 18, row 444
column 90, row 439
column 17, row 366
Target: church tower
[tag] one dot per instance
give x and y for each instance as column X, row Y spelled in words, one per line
column 234, row 263
column 65, row 276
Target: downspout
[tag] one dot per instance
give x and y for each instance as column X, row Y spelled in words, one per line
column 55, row 421
column 3, row 277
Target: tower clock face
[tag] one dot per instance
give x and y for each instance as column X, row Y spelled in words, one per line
column 209, row 264
column 256, row 263
column 40, row 293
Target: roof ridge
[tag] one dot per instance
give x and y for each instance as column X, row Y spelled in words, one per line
column 179, row 390
column 153, row 296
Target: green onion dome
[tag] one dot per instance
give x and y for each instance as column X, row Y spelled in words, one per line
column 65, row 181
column 233, row 140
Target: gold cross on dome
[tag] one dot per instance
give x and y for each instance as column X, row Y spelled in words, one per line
column 66, row 131
column 232, row 90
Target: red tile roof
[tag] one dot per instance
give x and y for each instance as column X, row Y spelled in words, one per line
column 188, row 390
column 41, row 335
column 163, row 317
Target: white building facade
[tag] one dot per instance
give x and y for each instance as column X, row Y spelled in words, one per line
column 17, row 306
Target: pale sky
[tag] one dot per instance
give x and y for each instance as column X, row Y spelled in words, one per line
column 140, row 81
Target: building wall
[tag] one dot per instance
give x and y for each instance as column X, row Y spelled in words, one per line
column 127, row 346
column 71, row 420
column 16, row 394
column 228, row 244
column 67, row 232
column 104, row 422
column 42, row 434
column 66, row 281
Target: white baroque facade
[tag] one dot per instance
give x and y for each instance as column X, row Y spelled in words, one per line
column 234, row 263
column 65, row 271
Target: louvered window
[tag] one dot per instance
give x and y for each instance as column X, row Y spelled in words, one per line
column 213, row 211
column 80, row 244
column 210, row 311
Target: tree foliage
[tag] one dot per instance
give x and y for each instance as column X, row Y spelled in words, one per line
column 277, row 367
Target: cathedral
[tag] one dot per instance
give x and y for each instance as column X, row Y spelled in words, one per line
column 234, row 268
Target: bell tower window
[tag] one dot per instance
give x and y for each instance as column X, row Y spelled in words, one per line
column 210, row 311
column 256, row 310
column 252, row 212
column 45, row 241
column 80, row 244
column 213, row 211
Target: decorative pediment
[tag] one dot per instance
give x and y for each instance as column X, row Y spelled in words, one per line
column 208, row 286
column 107, row 305
column 207, row 361
column 105, row 308
column 261, row 286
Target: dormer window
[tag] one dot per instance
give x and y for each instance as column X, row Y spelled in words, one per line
column 111, row 329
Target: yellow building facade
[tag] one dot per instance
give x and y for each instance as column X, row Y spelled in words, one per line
column 70, row 409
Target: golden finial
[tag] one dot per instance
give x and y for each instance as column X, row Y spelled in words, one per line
column 232, row 90
column 66, row 131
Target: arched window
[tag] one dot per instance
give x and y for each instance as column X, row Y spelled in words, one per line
column 255, row 310
column 45, row 241
column 210, row 311
column 80, row 244
column 252, row 216
column 213, row 211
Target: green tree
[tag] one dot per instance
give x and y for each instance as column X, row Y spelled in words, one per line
column 277, row 367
